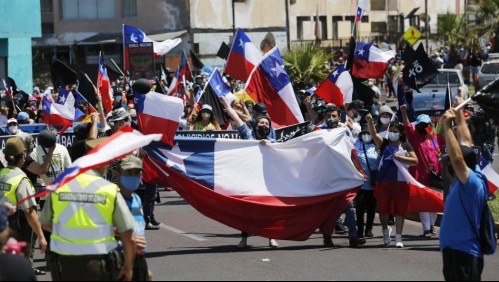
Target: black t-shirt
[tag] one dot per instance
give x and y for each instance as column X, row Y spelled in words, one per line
column 15, row 268
column 78, row 150
column 31, row 176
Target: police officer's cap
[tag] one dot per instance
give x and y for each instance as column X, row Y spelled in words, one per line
column 14, row 147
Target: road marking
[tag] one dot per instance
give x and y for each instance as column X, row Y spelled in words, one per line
column 178, row 231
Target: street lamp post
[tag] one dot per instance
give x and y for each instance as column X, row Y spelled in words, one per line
column 233, row 18
column 427, row 28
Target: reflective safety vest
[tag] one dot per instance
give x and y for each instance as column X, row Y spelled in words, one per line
column 9, row 182
column 83, row 217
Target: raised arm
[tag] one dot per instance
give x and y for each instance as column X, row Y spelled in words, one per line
column 378, row 140
column 232, row 113
column 463, row 132
column 405, row 117
column 454, row 149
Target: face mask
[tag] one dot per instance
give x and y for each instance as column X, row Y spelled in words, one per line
column 263, row 131
column 367, row 138
column 394, row 137
column 357, row 118
column 332, row 123
column 385, row 121
column 131, row 183
column 205, row 116
column 13, row 129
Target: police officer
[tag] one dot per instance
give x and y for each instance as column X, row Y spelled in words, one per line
column 15, row 186
column 82, row 215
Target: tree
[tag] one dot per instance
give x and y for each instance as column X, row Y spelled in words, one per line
column 452, row 28
column 306, row 65
column 487, row 22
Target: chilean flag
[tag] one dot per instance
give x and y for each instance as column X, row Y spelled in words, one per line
column 183, row 73
column 283, row 190
column 358, row 16
column 410, row 195
column 270, row 84
column 369, row 61
column 135, row 35
column 337, row 88
column 158, row 113
column 243, row 57
column 104, row 85
column 59, row 115
column 491, row 175
column 8, row 90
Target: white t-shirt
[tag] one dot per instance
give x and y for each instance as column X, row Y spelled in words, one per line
column 60, row 161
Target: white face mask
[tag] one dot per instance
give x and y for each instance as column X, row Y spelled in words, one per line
column 357, row 119
column 367, row 138
column 13, row 129
column 385, row 121
column 394, row 137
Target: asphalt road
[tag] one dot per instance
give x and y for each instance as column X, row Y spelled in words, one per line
column 190, row 246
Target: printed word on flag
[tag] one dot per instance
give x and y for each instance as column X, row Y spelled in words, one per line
column 370, row 62
column 243, row 57
column 135, row 35
column 337, row 88
column 289, row 193
column 157, row 113
column 270, row 84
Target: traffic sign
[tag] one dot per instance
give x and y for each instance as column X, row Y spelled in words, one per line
column 412, row 35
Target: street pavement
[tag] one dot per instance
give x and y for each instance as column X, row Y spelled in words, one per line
column 190, row 246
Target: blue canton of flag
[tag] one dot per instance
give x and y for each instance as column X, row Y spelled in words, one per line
column 362, row 51
column 273, row 68
column 358, row 17
column 217, row 84
column 336, row 74
column 198, row 95
column 132, row 35
column 193, row 158
column 63, row 95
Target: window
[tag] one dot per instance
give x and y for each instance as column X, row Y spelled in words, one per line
column 323, row 25
column 46, row 6
column 300, row 26
column 378, row 27
column 378, row 5
column 87, row 9
column 336, row 19
column 129, row 8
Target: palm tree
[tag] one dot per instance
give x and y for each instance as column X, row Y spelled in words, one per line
column 451, row 28
column 306, row 65
column 487, row 22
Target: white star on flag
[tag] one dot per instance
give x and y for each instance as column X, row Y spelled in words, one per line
column 219, row 90
column 62, row 99
column 279, row 69
column 335, row 73
column 175, row 157
column 241, row 43
column 360, row 52
column 44, row 108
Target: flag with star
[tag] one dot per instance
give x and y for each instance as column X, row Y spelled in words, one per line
column 243, row 57
column 337, row 88
column 135, row 35
column 215, row 88
column 358, row 16
column 369, row 61
column 104, row 86
column 270, row 84
column 281, row 198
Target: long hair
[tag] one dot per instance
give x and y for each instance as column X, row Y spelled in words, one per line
column 213, row 119
column 400, row 127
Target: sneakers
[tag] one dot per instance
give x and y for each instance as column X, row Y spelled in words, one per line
column 386, row 236
column 356, row 241
column 273, row 243
column 369, row 233
column 149, row 226
column 155, row 222
column 427, row 234
column 398, row 241
column 243, row 244
column 339, row 228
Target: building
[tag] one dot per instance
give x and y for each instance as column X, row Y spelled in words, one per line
column 20, row 23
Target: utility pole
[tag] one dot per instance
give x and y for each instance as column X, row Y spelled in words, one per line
column 427, row 28
column 287, row 24
column 233, row 18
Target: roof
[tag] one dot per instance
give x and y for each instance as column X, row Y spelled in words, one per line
column 117, row 37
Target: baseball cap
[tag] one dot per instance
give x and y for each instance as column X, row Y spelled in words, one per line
column 22, row 116
column 14, row 147
column 131, row 162
column 12, row 120
column 423, row 119
column 260, row 108
column 207, row 107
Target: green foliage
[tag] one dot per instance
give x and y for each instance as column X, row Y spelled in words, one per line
column 451, row 28
column 306, row 65
column 494, row 208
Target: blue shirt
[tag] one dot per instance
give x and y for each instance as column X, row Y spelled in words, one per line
column 135, row 206
column 372, row 156
column 465, row 202
column 247, row 134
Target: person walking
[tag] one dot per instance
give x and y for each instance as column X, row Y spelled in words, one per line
column 459, row 239
column 82, row 215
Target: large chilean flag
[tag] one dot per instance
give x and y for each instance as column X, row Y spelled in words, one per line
column 369, row 61
column 270, row 84
column 337, row 88
column 158, row 114
column 281, row 191
column 243, row 57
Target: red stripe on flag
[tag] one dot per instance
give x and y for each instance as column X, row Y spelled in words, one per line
column 331, row 93
column 153, row 125
column 365, row 69
column 238, row 67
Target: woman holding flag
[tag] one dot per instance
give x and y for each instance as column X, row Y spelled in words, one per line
column 391, row 195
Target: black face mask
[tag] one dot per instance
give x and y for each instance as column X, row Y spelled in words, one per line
column 263, row 131
column 332, row 123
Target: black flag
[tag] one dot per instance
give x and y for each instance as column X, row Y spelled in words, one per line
column 86, row 88
column 196, row 62
column 419, row 70
column 351, row 54
column 210, row 97
column 408, row 53
column 448, row 97
column 488, row 99
column 363, row 92
column 62, row 75
column 224, row 51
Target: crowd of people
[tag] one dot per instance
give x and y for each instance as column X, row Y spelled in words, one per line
column 80, row 247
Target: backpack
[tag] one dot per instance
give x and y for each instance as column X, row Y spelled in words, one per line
column 486, row 234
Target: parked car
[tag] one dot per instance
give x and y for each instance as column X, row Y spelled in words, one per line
column 453, row 77
column 430, row 103
column 488, row 72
